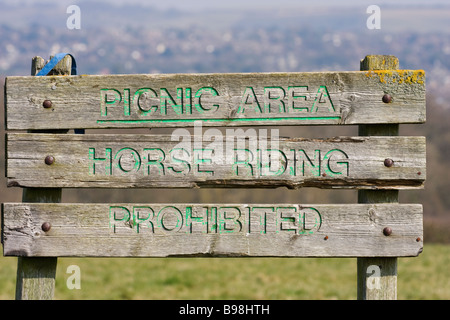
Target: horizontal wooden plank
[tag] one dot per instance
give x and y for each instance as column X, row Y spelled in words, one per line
column 164, row 230
column 245, row 99
column 147, row 161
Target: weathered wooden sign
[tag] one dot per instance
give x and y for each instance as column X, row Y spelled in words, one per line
column 178, row 100
column 378, row 162
column 123, row 161
column 162, row 230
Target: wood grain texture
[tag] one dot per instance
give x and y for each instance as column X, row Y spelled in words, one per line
column 165, row 230
column 236, row 99
column 386, row 279
column 36, row 276
column 147, row 161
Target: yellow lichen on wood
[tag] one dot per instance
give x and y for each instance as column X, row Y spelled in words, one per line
column 380, row 62
column 398, row 76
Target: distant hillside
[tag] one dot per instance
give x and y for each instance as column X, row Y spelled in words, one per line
column 398, row 16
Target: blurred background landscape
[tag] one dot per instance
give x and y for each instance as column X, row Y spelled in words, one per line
column 128, row 37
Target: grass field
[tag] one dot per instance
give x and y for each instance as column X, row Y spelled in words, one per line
column 423, row 278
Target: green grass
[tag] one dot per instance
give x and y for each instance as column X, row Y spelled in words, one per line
column 423, row 277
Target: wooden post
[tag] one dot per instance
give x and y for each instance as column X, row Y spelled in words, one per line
column 377, row 277
column 36, row 276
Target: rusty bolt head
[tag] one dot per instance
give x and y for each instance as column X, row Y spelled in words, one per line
column 387, row 231
column 387, row 98
column 388, row 163
column 46, row 226
column 49, row 160
column 47, row 104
